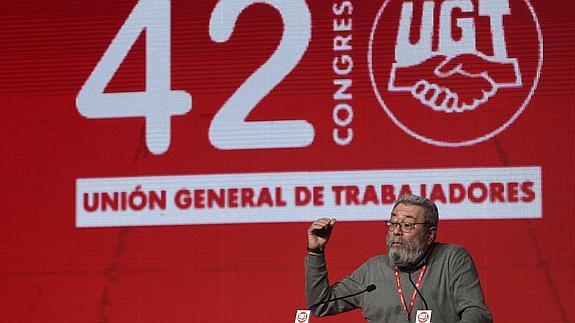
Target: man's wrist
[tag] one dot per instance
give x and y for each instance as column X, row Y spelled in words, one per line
column 316, row 251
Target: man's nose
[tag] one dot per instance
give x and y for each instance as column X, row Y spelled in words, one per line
column 397, row 230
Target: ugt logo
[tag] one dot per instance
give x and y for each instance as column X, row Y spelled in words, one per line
column 455, row 72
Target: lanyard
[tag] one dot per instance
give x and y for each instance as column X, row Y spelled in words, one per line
column 400, row 291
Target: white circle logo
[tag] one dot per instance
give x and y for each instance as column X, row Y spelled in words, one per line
column 455, row 73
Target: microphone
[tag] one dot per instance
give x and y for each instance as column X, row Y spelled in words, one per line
column 368, row 289
column 418, row 292
column 423, row 261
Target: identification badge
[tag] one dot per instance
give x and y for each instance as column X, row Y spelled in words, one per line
column 422, row 316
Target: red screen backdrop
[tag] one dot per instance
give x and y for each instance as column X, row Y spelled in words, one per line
column 163, row 159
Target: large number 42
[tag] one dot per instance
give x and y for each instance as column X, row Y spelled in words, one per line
column 158, row 103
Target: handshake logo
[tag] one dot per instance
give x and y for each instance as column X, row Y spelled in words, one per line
column 452, row 57
column 475, row 78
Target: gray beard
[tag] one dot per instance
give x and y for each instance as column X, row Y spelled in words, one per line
column 410, row 254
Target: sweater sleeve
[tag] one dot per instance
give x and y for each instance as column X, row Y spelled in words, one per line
column 318, row 289
column 467, row 294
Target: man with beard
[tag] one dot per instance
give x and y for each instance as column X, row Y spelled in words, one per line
column 444, row 273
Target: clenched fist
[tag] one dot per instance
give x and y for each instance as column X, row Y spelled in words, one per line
column 319, row 232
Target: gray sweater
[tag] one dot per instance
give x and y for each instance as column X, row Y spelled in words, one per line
column 450, row 287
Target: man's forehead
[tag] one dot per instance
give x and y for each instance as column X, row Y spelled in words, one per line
column 408, row 216
column 407, row 211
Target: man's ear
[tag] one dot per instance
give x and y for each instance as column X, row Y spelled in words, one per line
column 432, row 235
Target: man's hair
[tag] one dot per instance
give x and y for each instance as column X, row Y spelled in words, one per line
column 430, row 209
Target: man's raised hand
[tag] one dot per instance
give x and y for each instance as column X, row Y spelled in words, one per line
column 318, row 233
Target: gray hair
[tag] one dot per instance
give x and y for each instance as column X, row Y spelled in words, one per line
column 430, row 209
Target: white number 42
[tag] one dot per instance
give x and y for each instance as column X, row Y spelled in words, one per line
column 158, row 103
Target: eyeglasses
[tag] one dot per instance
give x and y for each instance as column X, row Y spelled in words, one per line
column 405, row 227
